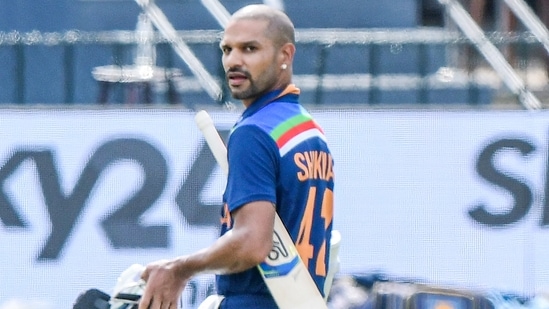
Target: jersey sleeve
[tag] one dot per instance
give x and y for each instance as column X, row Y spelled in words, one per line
column 253, row 167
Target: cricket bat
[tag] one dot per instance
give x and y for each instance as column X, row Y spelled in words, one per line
column 283, row 270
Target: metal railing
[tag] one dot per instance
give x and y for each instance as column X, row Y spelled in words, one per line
column 373, row 43
column 491, row 53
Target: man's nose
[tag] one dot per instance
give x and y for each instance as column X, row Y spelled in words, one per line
column 232, row 60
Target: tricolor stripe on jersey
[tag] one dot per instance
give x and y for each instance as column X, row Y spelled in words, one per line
column 295, row 130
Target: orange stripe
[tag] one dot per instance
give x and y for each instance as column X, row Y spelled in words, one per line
column 291, row 88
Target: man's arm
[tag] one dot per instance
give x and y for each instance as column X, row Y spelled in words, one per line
column 245, row 246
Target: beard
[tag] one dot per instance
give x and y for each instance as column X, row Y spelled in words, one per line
column 257, row 86
column 251, row 92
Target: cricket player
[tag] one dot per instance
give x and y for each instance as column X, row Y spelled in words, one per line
column 279, row 162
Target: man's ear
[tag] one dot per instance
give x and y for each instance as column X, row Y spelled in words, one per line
column 287, row 53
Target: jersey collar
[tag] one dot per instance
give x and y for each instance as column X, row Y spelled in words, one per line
column 290, row 94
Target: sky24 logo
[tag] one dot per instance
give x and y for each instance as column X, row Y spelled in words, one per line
column 64, row 209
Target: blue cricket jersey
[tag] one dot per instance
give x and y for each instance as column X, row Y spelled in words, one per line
column 278, row 153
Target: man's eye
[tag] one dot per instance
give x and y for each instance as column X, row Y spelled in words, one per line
column 250, row 48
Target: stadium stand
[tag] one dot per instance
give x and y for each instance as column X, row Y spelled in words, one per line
column 350, row 52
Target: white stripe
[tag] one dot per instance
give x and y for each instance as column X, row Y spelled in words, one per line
column 296, row 140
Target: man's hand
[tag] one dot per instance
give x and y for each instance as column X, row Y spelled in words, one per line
column 164, row 286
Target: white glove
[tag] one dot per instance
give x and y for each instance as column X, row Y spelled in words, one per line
column 129, row 287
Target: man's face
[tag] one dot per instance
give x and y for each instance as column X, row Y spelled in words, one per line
column 249, row 59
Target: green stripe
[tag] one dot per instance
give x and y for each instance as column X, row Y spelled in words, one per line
column 287, row 125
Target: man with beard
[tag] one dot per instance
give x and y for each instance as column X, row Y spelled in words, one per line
column 279, row 162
